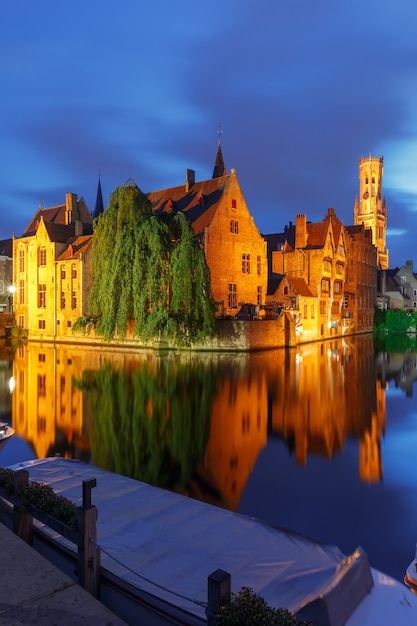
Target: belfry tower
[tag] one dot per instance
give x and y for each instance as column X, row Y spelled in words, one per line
column 371, row 210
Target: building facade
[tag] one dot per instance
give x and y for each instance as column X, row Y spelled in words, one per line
column 51, row 270
column 234, row 248
column 326, row 275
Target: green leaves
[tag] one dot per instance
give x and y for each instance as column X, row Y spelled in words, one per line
column 150, row 270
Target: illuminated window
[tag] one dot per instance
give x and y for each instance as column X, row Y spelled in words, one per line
column 74, row 300
column 63, row 274
column 234, row 227
column 42, row 296
column 41, row 324
column 21, row 260
column 258, row 265
column 233, row 203
column 259, row 295
column 232, row 296
column 42, row 256
column 62, row 299
column 325, row 285
column 21, row 291
column 245, row 263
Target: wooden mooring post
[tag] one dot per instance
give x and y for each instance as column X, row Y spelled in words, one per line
column 85, row 538
column 88, row 551
column 219, row 588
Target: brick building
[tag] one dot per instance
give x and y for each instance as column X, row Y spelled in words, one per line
column 51, row 269
column 325, row 274
column 235, row 250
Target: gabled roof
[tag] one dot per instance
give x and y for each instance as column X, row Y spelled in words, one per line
column 317, row 233
column 199, row 203
column 6, row 247
column 53, row 215
column 299, row 285
column 76, row 247
column 59, row 233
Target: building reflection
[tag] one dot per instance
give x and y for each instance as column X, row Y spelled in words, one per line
column 197, row 424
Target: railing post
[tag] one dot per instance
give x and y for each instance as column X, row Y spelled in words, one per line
column 219, row 587
column 88, row 551
column 22, row 521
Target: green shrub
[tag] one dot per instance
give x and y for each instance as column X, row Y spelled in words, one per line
column 246, row 608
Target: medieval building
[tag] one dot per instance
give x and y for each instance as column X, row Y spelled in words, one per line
column 325, row 274
column 51, row 270
column 370, row 209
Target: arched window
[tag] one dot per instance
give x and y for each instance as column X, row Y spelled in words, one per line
column 21, row 260
column 42, row 256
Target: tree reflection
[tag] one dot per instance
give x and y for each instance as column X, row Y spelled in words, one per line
column 151, row 420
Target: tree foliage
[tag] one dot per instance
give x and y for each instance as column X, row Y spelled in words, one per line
column 148, row 269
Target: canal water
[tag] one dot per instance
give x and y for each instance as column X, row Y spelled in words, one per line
column 321, row 439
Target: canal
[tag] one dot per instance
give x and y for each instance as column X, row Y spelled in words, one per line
column 321, row 439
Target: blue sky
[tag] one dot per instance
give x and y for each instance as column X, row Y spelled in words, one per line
column 135, row 90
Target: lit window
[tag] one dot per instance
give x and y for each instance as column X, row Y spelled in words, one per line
column 258, row 265
column 234, row 227
column 42, row 296
column 245, row 263
column 233, row 203
column 232, row 296
column 21, row 260
column 42, row 256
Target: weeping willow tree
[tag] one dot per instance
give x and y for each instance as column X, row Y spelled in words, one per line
column 150, row 270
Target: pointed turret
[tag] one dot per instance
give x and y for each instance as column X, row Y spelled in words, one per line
column 219, row 168
column 99, row 208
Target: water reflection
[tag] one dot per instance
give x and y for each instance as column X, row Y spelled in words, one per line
column 271, row 434
column 197, row 423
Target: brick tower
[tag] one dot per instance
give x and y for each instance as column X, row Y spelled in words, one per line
column 370, row 210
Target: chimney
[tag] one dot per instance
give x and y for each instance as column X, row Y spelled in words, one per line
column 189, row 179
column 301, row 231
column 71, row 207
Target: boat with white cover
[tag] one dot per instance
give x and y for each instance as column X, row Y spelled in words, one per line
column 158, row 549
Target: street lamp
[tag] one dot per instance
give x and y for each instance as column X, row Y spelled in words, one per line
column 12, row 291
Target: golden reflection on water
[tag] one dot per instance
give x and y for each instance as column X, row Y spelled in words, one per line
column 197, row 423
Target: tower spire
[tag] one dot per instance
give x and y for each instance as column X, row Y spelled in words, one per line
column 99, row 208
column 219, row 168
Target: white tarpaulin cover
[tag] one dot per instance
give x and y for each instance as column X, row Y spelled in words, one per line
column 168, row 545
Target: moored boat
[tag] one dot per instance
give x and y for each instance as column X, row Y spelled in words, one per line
column 158, row 549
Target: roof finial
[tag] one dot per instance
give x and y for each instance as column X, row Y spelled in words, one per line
column 219, row 131
column 40, row 204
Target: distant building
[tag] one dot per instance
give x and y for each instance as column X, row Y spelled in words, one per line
column 398, row 288
column 6, row 276
column 370, row 209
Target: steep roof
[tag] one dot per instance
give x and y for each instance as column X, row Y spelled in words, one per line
column 6, row 247
column 199, row 202
column 76, row 247
column 52, row 215
column 300, row 286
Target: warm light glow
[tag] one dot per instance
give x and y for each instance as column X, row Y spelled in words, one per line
column 12, row 289
column 12, row 384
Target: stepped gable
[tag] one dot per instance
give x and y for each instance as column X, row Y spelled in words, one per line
column 197, row 201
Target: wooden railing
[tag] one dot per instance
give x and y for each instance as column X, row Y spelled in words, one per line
column 85, row 537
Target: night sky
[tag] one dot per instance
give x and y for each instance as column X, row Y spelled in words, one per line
column 136, row 90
